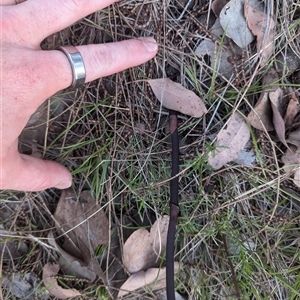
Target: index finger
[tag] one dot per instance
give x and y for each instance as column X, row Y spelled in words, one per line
column 43, row 18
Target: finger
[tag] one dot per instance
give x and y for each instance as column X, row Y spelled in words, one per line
column 51, row 16
column 10, row 2
column 27, row 173
column 7, row 2
column 103, row 60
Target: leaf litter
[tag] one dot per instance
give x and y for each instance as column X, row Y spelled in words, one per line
column 86, row 227
column 152, row 279
column 144, row 249
column 230, row 140
column 291, row 157
column 263, row 27
column 49, row 273
column 143, row 252
column 234, row 23
column 173, row 95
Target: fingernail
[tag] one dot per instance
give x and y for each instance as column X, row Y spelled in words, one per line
column 64, row 184
column 150, row 43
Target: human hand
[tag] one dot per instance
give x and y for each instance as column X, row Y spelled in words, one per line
column 30, row 75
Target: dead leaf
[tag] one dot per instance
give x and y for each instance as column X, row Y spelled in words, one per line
column 292, row 109
column 270, row 80
column 174, row 96
column 263, row 27
column 294, row 138
column 153, row 279
column 234, row 23
column 49, row 271
column 217, row 6
column 261, row 117
column 291, row 160
column 277, row 108
column 144, row 249
column 218, row 31
column 86, row 225
column 158, row 234
column 70, row 264
column 230, row 140
column 219, row 57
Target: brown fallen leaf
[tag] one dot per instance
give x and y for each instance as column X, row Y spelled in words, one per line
column 230, row 140
column 294, row 138
column 234, row 23
column 270, row 80
column 173, row 95
column 71, row 265
column 292, row 109
column 153, row 279
column 261, row 117
column 263, row 27
column 158, row 236
column 49, row 271
column 144, row 249
column 291, row 160
column 86, row 225
column 277, row 108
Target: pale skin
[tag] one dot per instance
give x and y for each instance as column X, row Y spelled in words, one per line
column 30, row 75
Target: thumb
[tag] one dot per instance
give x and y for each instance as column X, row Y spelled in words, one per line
column 28, row 173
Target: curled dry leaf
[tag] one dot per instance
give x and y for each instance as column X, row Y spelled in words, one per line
column 277, row 108
column 230, row 141
column 158, row 236
column 70, row 264
column 86, row 225
column 270, row 80
column 174, row 96
column 292, row 109
column 261, row 117
column 294, row 138
column 291, row 158
column 234, row 23
column 153, row 279
column 144, row 249
column 49, row 271
column 263, row 27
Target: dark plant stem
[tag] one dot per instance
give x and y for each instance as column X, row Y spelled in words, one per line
column 174, row 208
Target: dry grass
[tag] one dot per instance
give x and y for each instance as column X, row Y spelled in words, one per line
column 238, row 233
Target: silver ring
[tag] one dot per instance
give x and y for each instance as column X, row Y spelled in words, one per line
column 77, row 64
